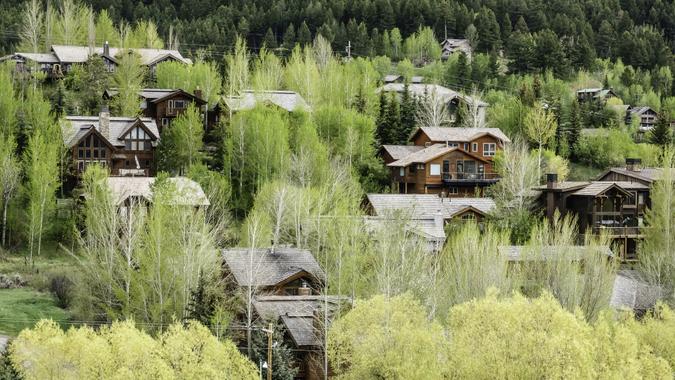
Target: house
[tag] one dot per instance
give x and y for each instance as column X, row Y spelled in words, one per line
column 456, row 161
column 601, row 94
column 452, row 99
column 522, row 254
column 126, row 145
column 450, row 46
column 394, row 78
column 646, row 118
column 609, row 206
column 277, row 271
column 162, row 105
column 632, row 292
column 305, row 320
column 138, row 190
column 61, row 58
column 425, row 215
column 633, row 172
column 290, row 101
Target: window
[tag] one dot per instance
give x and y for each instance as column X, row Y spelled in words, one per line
column 466, row 147
column 489, row 149
column 469, row 216
column 474, row 147
column 137, row 139
column 453, row 190
column 91, row 149
column 413, row 168
column 435, row 169
column 179, row 104
column 165, row 122
column 401, row 172
column 453, row 145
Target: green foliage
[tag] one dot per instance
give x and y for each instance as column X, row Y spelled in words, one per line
column 284, row 366
column 8, row 102
column 662, row 133
column 122, row 351
column 203, row 76
column 610, row 147
column 389, row 339
column 128, row 79
column 84, row 86
column 181, row 143
column 22, row 307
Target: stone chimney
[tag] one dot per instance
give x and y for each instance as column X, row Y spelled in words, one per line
column 104, row 121
column 633, row 164
column 304, row 290
column 106, row 49
column 551, row 180
column 198, row 93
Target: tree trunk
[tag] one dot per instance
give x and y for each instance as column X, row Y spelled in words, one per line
column 4, row 221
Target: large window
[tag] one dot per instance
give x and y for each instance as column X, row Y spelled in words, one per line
column 137, row 140
column 91, row 148
column 489, row 149
column 435, row 169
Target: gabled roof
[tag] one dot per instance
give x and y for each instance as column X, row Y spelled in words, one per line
column 458, row 134
column 423, row 156
column 288, row 100
column 421, row 90
column 297, row 313
column 399, row 151
column 188, row 192
column 643, row 174
column 454, row 42
column 426, row 206
column 80, row 54
column 598, row 188
column 36, row 57
column 267, row 267
column 639, row 110
column 156, row 95
column 525, row 253
column 391, row 78
column 75, row 127
column 631, row 291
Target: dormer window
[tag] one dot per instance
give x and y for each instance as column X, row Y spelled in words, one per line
column 137, row 139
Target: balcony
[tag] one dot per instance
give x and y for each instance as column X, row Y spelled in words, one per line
column 619, row 231
column 463, row 177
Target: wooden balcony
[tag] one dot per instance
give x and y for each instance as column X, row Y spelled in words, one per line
column 460, row 177
column 619, row 231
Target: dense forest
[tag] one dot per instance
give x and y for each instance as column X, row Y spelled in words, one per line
column 573, row 33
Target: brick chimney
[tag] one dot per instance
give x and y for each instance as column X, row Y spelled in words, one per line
column 551, row 180
column 104, row 121
column 304, row 290
column 106, row 49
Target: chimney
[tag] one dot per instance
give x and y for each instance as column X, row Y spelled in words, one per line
column 104, row 121
column 304, row 290
column 106, row 49
column 551, row 180
column 633, row 164
column 198, row 93
column 438, row 219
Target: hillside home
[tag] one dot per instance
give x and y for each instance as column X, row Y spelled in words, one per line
column 601, row 94
column 607, row 206
column 452, row 99
column 61, row 58
column 126, row 191
column 450, row 46
column 426, row 215
column 454, row 161
column 126, row 145
column 163, row 105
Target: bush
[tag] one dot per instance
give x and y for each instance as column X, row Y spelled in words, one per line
column 62, row 288
column 610, row 147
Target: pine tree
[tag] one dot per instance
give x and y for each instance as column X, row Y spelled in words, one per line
column 270, row 40
column 408, row 115
column 382, row 131
column 488, row 30
column 304, row 35
column 462, row 72
column 662, row 135
column 574, row 128
column 521, row 25
column 393, row 121
column 506, row 28
column 201, row 306
column 289, row 37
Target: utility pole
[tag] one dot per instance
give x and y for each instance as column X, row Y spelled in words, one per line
column 270, row 331
column 349, row 50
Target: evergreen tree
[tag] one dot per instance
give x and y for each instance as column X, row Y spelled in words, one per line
column 393, row 121
column 283, row 360
column 521, row 25
column 549, row 53
column 382, row 132
column 304, row 35
column 506, row 28
column 574, row 127
column 270, row 40
column 289, row 37
column 520, row 52
column 488, row 30
column 662, row 135
column 408, row 115
column 201, row 305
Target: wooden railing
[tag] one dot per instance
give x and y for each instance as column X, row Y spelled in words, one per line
column 619, row 231
column 461, row 176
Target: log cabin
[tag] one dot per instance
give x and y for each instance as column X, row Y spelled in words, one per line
column 126, row 145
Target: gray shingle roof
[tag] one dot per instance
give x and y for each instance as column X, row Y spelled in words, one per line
column 80, row 54
column 632, row 292
column 400, row 151
column 391, row 78
column 423, row 155
column 188, row 192
column 297, row 313
column 75, row 127
column 644, row 174
column 596, row 188
column 640, row 110
column 525, row 253
column 420, row 90
column 457, row 134
column 426, row 206
column 288, row 100
column 264, row 267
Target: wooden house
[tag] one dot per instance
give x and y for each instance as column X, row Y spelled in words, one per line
column 454, row 161
column 61, row 58
column 126, row 145
column 612, row 207
column 450, row 46
column 163, row 105
column 598, row 94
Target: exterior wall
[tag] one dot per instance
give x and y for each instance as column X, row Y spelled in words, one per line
column 161, row 110
column 421, row 139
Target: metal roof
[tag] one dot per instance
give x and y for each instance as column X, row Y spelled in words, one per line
column 288, row 100
column 188, row 192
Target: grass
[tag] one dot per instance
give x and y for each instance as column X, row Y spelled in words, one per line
column 21, row 308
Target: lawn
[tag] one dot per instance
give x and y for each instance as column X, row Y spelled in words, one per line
column 21, row 308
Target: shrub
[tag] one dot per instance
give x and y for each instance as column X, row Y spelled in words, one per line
column 62, row 288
